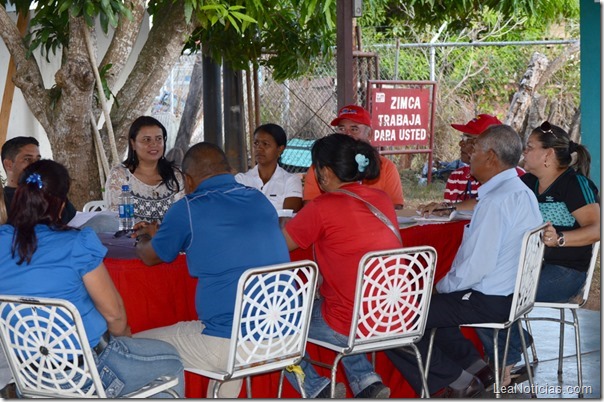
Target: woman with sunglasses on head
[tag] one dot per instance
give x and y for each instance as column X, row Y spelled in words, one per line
column 283, row 189
column 558, row 172
column 154, row 181
column 41, row 257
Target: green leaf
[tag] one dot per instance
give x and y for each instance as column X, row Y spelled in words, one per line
column 244, row 17
column 233, row 22
column 188, row 11
column 89, row 7
column 64, row 6
column 75, row 9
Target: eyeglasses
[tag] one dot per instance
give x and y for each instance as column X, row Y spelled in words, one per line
column 149, row 140
column 546, row 128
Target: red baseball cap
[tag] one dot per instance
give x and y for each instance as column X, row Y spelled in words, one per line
column 354, row 113
column 477, row 125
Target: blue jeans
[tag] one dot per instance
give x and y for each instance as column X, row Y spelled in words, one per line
column 359, row 370
column 127, row 364
column 557, row 284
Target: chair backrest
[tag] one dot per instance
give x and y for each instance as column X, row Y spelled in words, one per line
column 271, row 317
column 529, row 268
column 590, row 271
column 392, row 297
column 92, row 206
column 47, row 349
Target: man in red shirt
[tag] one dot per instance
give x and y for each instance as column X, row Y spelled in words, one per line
column 461, row 185
column 355, row 121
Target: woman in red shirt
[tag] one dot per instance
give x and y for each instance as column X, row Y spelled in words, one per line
column 342, row 229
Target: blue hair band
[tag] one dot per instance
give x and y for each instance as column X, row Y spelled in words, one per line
column 362, row 161
column 34, row 178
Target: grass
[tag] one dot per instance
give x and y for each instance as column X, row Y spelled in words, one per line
column 416, row 194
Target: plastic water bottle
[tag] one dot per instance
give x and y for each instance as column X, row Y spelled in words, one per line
column 126, row 209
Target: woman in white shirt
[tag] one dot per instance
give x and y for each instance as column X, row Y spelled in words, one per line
column 155, row 182
column 283, row 189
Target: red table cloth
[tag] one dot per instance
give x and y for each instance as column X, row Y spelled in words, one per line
column 164, row 294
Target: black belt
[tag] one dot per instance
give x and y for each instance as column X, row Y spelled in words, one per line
column 103, row 343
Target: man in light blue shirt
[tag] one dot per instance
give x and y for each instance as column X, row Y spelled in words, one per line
column 479, row 286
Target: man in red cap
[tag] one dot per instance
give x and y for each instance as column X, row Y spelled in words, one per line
column 355, row 121
column 461, row 185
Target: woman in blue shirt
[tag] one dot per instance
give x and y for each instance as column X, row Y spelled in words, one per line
column 48, row 259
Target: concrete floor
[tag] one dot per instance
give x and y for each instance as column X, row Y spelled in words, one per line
column 547, row 382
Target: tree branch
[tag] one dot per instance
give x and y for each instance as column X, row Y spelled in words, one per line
column 28, row 77
column 123, row 41
column 155, row 61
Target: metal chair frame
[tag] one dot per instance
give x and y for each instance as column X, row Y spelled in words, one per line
column 270, row 322
column 525, row 290
column 96, row 205
column 392, row 299
column 48, row 351
column 573, row 307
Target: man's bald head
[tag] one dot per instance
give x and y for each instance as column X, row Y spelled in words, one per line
column 204, row 160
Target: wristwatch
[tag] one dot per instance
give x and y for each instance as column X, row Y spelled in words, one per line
column 561, row 240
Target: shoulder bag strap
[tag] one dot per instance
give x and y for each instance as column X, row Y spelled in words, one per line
column 376, row 212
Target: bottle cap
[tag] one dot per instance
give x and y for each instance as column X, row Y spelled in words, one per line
column 125, row 187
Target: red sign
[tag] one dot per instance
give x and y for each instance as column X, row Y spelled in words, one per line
column 400, row 116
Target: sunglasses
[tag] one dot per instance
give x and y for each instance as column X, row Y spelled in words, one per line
column 546, row 128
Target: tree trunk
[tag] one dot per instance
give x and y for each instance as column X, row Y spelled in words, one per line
column 522, row 100
column 191, row 113
column 155, row 61
column 70, row 132
column 528, row 108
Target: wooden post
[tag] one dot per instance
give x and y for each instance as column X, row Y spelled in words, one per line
column 346, row 89
column 9, row 86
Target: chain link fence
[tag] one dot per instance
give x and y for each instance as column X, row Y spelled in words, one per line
column 471, row 80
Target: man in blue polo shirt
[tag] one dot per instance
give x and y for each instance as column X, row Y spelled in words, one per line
column 225, row 228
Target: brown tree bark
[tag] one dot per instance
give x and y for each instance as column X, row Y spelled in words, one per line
column 63, row 110
column 70, row 133
column 124, row 38
column 522, row 100
column 189, row 119
column 528, row 108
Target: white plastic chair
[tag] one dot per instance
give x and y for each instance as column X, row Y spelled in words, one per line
column 572, row 305
column 392, row 299
column 48, row 352
column 92, row 206
column 270, row 322
column 525, row 290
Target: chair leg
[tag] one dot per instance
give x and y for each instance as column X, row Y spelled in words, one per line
column 529, row 370
column 248, row 386
column 334, row 370
column 172, row 393
column 578, row 350
column 561, row 344
column 498, row 373
column 530, row 331
column 422, row 373
column 430, row 346
column 217, row 385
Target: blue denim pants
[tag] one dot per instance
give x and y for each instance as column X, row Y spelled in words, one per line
column 127, row 364
column 557, row 284
column 359, row 370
